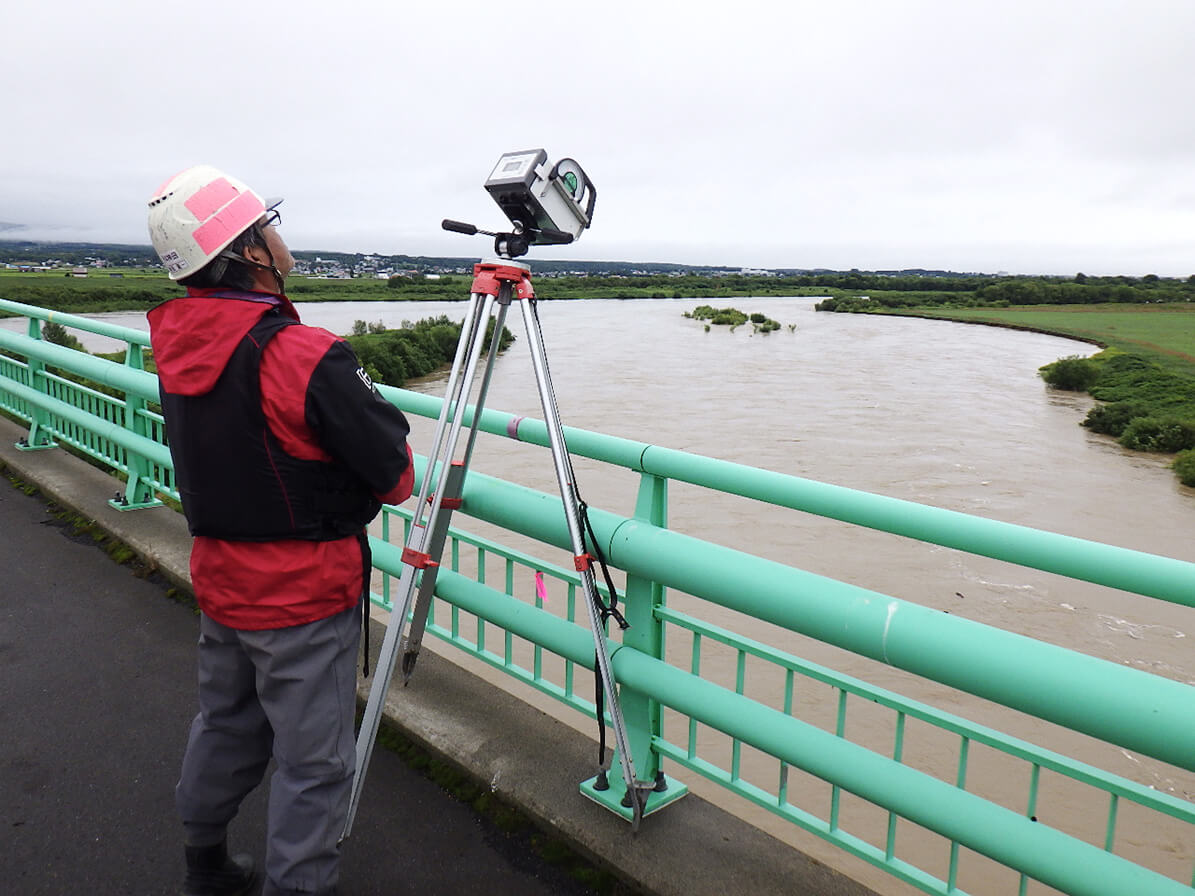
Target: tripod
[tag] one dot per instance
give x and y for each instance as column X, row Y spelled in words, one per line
column 496, row 284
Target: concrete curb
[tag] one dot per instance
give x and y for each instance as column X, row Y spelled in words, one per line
column 531, row 760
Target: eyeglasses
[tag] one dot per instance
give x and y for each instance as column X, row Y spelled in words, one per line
column 273, row 218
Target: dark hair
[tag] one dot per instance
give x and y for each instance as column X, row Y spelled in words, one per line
column 224, row 272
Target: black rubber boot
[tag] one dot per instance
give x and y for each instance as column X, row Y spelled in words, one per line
column 211, row 872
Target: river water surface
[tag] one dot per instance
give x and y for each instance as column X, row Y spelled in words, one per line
column 940, row 413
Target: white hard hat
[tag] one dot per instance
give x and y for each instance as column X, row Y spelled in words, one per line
column 196, row 214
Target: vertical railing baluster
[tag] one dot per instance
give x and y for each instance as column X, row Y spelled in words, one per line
column 387, row 516
column 510, row 590
column 782, row 790
column 898, row 750
column 537, row 669
column 736, row 745
column 570, row 609
column 1030, row 812
column 40, row 432
column 695, row 671
column 1110, row 835
column 139, row 492
column 840, row 730
column 961, row 783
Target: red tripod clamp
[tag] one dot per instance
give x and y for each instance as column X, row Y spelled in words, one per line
column 488, row 277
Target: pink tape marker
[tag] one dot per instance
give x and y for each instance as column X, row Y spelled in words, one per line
column 541, row 590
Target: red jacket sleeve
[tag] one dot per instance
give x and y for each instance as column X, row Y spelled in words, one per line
column 322, row 406
column 357, row 426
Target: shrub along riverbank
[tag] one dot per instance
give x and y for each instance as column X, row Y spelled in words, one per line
column 395, row 356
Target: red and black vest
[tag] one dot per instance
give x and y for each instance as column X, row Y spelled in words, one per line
column 236, row 481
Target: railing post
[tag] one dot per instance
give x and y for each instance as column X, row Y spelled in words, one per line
column 139, row 491
column 644, row 716
column 40, row 431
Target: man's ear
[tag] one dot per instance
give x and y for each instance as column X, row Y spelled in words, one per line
column 256, row 254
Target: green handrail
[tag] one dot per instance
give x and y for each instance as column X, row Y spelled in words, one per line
column 1133, row 709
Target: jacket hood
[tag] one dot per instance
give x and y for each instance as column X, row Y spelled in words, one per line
column 193, row 337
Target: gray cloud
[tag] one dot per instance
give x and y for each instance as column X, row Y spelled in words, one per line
column 1046, row 136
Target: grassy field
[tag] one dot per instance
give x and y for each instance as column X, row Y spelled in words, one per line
column 1163, row 333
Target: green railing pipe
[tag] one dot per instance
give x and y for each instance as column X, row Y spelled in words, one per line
column 1160, row 577
column 139, row 383
column 581, row 442
column 153, row 451
column 1115, row 703
column 1149, row 574
column 1059, row 860
column 1041, row 852
column 102, row 328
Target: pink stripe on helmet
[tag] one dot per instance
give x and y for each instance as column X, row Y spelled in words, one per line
column 213, row 197
column 229, row 223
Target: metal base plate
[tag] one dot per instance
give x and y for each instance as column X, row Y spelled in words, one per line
column 123, row 505
column 611, row 798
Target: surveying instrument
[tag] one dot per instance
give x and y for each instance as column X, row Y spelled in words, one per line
column 547, row 205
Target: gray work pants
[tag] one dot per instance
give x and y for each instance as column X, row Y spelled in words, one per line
column 289, row 693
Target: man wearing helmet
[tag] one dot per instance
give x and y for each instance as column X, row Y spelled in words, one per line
column 283, row 453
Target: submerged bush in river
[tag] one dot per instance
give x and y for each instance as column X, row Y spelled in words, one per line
column 1074, row 373
column 732, row 318
column 1184, row 466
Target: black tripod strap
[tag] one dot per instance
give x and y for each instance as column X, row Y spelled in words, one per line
column 599, row 700
column 609, row 611
column 366, row 569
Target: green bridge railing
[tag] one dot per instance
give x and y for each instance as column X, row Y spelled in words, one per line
column 862, row 767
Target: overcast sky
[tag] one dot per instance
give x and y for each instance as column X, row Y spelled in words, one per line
column 1029, row 136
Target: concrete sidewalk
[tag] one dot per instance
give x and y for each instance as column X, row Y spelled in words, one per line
column 99, row 690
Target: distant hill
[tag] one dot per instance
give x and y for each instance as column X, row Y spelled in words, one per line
column 38, row 252
column 122, row 255
column 134, row 256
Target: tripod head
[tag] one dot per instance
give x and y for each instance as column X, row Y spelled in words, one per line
column 546, row 205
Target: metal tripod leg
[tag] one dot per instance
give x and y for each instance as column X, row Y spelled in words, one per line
column 449, row 500
column 426, row 538
column 568, row 493
column 417, row 556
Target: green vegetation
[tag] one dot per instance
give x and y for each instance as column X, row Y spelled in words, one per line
column 1146, row 407
column 57, row 334
column 131, row 291
column 395, row 356
column 1184, row 466
column 732, row 317
column 1073, row 373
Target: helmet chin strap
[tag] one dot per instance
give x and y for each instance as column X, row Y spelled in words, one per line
column 271, row 267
